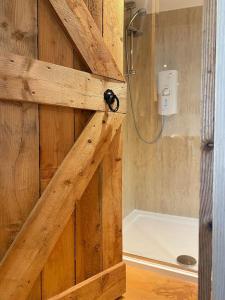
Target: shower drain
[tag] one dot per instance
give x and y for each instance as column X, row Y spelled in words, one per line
column 186, row 260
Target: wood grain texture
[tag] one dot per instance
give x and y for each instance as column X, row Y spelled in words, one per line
column 85, row 34
column 58, row 272
column 33, row 245
column 89, row 209
column 113, row 29
column 111, row 177
column 218, row 244
column 96, row 9
column 89, row 232
column 145, row 285
column 57, row 133
column 106, row 285
column 207, row 134
column 56, row 139
column 88, row 227
column 18, row 30
column 36, row 292
column 19, row 137
column 27, row 80
column 111, row 168
column 148, row 182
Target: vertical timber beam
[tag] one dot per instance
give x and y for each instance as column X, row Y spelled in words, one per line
column 113, row 28
column 19, row 133
column 207, row 137
column 218, row 278
column 112, row 204
column 56, row 139
column 99, row 213
column 88, row 211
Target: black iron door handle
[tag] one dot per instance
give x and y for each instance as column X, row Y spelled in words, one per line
column 112, row 100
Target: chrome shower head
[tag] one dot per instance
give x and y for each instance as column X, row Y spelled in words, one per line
column 141, row 12
column 130, row 5
column 133, row 31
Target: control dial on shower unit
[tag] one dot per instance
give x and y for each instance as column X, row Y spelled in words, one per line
column 168, row 92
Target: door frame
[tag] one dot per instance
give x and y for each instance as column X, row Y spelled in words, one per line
column 218, row 242
column 212, row 206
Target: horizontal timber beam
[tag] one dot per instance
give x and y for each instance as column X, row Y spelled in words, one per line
column 28, row 254
column 109, row 284
column 85, row 34
column 29, row 80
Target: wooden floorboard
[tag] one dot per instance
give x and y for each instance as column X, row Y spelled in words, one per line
column 146, row 285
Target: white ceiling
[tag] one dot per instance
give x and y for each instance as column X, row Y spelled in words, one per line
column 165, row 5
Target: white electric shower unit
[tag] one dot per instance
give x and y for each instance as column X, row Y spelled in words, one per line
column 168, row 92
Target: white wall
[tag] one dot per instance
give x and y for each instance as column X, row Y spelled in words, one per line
column 166, row 5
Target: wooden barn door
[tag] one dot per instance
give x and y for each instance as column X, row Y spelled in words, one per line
column 61, row 149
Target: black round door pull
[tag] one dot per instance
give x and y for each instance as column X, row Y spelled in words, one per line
column 110, row 98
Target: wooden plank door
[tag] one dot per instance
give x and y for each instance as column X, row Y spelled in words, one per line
column 19, row 136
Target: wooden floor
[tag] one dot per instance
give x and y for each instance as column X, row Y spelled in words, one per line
column 145, row 285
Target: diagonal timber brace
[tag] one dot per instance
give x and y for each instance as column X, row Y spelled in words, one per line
column 29, row 80
column 109, row 284
column 26, row 257
column 85, row 34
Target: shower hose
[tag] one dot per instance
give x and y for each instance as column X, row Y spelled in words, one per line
column 143, row 139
